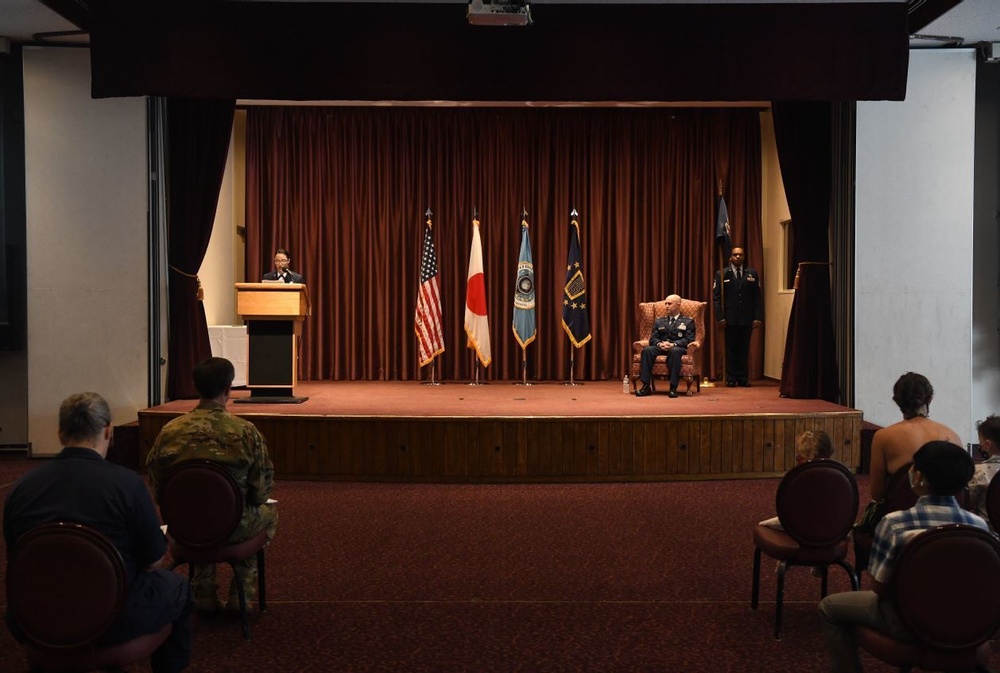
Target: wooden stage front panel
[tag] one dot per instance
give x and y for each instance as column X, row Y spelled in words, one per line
column 535, row 449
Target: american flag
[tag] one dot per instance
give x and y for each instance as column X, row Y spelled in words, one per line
column 428, row 318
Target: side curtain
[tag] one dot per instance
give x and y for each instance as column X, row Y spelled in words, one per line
column 198, row 135
column 803, row 135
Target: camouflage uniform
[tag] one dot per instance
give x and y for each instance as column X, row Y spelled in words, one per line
column 209, row 432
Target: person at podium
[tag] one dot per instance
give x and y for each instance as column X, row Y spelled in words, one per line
column 281, row 271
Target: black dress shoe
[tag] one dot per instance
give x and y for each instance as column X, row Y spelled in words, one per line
column 730, row 384
column 672, row 393
column 744, row 384
column 645, row 391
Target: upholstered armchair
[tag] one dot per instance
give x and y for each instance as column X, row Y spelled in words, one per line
column 690, row 362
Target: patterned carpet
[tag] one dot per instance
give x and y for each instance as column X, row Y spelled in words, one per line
column 577, row 577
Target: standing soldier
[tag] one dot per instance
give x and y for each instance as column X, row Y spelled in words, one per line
column 736, row 293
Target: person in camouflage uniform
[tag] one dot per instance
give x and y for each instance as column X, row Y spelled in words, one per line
column 209, row 432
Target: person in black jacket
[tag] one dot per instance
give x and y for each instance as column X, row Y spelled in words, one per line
column 281, row 271
column 738, row 308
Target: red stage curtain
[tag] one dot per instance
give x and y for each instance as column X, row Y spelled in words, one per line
column 198, row 134
column 803, row 134
column 345, row 190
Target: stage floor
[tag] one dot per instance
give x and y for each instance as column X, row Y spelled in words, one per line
column 592, row 399
column 502, row 432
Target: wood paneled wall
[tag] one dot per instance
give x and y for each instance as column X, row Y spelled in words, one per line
column 538, row 449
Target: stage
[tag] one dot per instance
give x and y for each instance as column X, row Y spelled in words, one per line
column 546, row 432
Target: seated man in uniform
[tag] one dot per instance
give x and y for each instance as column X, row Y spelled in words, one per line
column 671, row 335
column 209, row 432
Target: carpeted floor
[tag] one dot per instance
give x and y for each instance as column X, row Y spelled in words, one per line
column 576, row 577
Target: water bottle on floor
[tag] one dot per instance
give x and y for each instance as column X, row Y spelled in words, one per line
column 625, row 386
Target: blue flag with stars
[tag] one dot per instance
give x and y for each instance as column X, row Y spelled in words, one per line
column 575, row 319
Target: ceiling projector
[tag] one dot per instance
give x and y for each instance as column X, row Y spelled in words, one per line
column 504, row 13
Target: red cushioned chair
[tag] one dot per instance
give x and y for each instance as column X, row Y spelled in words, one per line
column 202, row 505
column 945, row 588
column 816, row 503
column 898, row 496
column 65, row 587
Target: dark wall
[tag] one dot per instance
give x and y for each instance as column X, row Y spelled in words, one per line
column 572, row 52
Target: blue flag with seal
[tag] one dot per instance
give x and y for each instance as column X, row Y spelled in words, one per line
column 575, row 318
column 524, row 291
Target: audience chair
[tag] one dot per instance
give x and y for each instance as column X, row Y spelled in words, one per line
column 898, row 496
column 65, row 587
column 945, row 588
column 202, row 504
column 690, row 361
column 816, row 503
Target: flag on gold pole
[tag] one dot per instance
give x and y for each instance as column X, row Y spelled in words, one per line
column 430, row 336
column 477, row 324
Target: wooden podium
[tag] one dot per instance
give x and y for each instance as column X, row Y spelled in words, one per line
column 273, row 313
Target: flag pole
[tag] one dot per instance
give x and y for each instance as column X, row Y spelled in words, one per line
column 571, row 382
column 722, row 301
column 475, row 364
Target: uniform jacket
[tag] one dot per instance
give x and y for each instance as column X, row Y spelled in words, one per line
column 737, row 300
column 681, row 333
column 209, row 432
